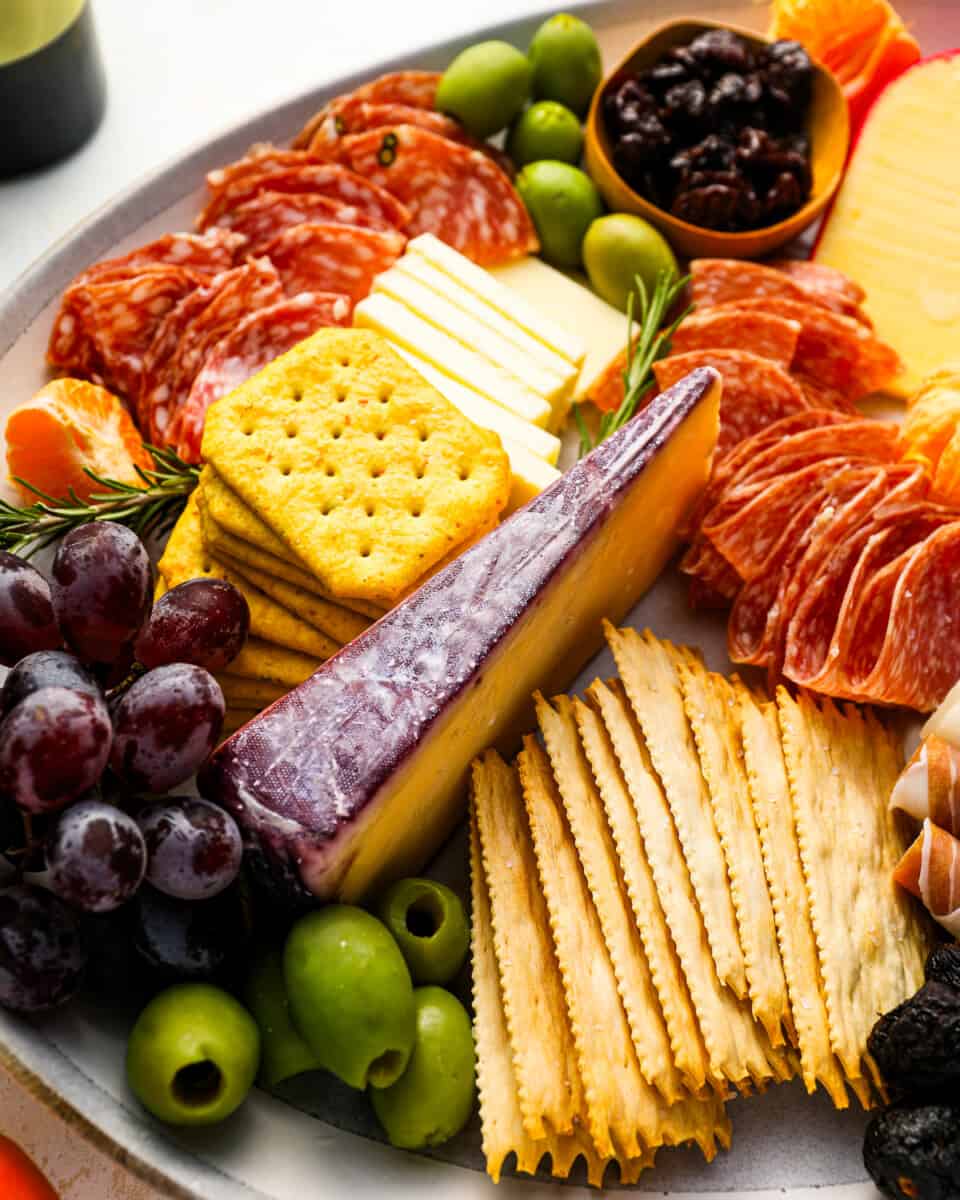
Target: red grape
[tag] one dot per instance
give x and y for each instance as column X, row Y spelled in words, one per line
column 42, row 955
column 186, row 941
column 202, row 621
column 165, row 726
column 102, row 584
column 194, row 847
column 27, row 619
column 54, row 747
column 45, row 668
column 96, row 856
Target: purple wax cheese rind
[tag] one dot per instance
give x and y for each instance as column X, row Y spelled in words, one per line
column 302, row 779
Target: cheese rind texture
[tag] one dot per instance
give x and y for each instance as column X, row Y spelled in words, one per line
column 895, row 224
column 359, row 775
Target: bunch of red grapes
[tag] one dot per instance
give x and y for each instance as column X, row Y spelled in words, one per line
column 110, row 704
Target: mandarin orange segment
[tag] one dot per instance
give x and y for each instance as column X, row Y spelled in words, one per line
column 68, row 426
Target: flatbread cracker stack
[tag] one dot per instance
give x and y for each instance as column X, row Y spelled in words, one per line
column 365, row 472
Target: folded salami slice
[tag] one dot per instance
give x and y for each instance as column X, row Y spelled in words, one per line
column 359, row 115
column 190, row 331
column 818, row 277
column 242, row 181
column 756, row 392
column 459, row 194
column 833, row 352
column 929, row 786
column 207, row 253
column 415, row 89
column 266, row 216
column 930, row 869
column 322, row 256
column 720, row 280
column 257, row 340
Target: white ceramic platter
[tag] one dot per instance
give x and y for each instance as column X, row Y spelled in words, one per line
column 785, row 1143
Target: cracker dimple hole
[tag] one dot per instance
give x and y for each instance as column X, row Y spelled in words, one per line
column 341, row 396
column 421, row 471
column 386, row 391
column 381, row 434
column 292, row 431
column 464, row 474
column 297, row 395
column 326, row 510
column 337, row 433
column 370, row 510
column 345, row 361
column 248, row 431
column 365, row 552
column 285, row 470
column 376, row 472
column 416, row 512
column 331, row 471
column 424, row 434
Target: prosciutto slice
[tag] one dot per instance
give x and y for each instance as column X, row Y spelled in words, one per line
column 930, row 869
column 930, row 785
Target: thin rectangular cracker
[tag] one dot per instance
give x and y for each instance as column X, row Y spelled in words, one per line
column 598, row 859
column 770, row 797
column 248, row 693
column 273, row 664
column 501, row 1121
column 359, row 466
column 689, row 1052
column 626, row 1115
column 650, row 678
column 709, row 701
column 738, row 1049
column 872, row 943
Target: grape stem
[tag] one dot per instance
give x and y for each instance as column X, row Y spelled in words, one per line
column 152, row 507
column 650, row 342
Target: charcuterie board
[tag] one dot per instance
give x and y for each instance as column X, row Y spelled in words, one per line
column 309, row 1138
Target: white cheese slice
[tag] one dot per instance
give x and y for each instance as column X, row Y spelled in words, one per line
column 399, row 324
column 530, row 474
column 485, row 413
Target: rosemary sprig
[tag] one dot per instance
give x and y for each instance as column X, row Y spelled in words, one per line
column 651, row 342
column 152, row 507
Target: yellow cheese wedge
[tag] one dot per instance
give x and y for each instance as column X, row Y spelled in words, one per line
column 458, row 323
column 895, row 225
column 552, row 332
column 359, row 775
column 400, row 325
column 547, row 290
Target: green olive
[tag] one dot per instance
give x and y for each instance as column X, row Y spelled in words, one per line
column 192, row 1055
column 432, row 1100
column 428, row 922
column 618, row 248
column 566, row 62
column 485, row 87
column 350, row 995
column 545, row 130
column 562, row 201
column 284, row 1052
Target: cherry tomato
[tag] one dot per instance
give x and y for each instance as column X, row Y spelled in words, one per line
column 19, row 1176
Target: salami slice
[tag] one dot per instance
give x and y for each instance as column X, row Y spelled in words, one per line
column 721, row 280
column 321, row 256
column 190, row 331
column 266, row 216
column 833, row 352
column 756, row 392
column 415, row 89
column 457, row 193
column 358, row 116
column 818, row 277
column 105, row 326
column 316, row 178
column 765, row 334
column 207, row 253
column 257, row 340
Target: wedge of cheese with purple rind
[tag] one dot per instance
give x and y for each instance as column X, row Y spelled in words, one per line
column 358, row 776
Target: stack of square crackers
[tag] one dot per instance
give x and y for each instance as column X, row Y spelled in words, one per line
column 682, row 894
column 336, row 481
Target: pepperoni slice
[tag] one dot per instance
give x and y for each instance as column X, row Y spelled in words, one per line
column 721, row 280
column 833, row 352
column 321, row 256
column 241, row 183
column 756, row 392
column 257, row 340
column 457, row 193
column 415, row 89
column 190, row 331
column 819, row 278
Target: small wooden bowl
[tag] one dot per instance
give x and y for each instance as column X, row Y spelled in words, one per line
column 828, row 127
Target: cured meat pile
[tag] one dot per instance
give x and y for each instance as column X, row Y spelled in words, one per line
column 786, row 337
column 288, row 242
column 842, row 574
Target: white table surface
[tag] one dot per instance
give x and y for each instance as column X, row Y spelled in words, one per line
column 179, row 71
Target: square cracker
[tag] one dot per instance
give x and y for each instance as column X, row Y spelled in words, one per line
column 710, row 704
column 626, row 1115
column 549, row 1088
column 686, row 1043
column 649, row 674
column 598, row 858
column 501, row 1121
column 738, row 1050
column 362, row 469
column 871, row 938
column 186, row 557
column 770, row 796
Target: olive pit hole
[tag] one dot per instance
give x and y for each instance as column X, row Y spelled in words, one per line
column 198, row 1085
column 386, row 1069
column 424, row 916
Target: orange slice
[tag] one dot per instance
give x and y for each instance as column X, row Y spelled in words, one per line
column 70, row 425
